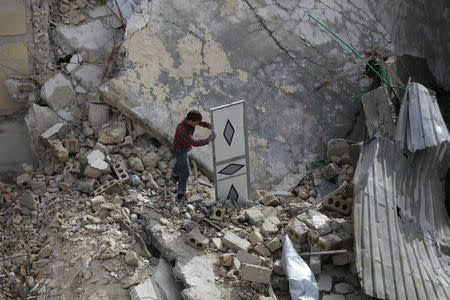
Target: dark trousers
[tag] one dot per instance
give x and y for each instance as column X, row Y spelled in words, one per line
column 181, row 169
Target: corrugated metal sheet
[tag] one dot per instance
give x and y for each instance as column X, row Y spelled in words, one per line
column 420, row 123
column 401, row 226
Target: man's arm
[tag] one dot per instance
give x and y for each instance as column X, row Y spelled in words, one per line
column 191, row 141
column 205, row 124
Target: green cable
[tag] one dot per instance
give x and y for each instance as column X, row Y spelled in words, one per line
column 316, row 162
column 384, row 72
column 354, row 51
column 360, row 95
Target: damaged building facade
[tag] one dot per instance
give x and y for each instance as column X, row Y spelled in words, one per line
column 347, row 106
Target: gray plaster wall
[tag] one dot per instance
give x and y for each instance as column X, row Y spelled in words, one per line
column 201, row 54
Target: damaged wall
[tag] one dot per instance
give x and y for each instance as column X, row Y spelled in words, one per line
column 266, row 52
column 13, row 60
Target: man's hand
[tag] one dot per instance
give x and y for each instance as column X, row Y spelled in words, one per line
column 211, row 137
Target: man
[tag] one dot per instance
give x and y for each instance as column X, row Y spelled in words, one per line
column 182, row 144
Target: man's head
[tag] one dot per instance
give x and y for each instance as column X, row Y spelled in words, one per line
column 193, row 117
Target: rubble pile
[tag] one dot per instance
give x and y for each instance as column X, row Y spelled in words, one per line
column 94, row 218
column 99, row 190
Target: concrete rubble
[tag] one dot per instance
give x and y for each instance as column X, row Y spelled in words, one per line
column 97, row 217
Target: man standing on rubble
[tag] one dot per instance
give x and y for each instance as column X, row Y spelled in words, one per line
column 182, row 144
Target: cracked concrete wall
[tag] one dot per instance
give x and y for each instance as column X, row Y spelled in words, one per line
column 201, row 54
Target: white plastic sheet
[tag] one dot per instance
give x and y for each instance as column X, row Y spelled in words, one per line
column 302, row 284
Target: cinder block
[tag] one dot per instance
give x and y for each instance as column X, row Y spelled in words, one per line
column 196, row 239
column 121, row 170
column 112, row 186
column 217, row 213
column 339, row 205
column 255, row 273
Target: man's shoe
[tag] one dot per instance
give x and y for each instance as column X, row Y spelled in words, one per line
column 181, row 198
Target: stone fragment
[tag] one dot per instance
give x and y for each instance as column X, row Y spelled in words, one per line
column 29, row 200
column 325, row 282
column 255, row 273
column 88, row 75
column 330, row 241
column 98, row 114
column 255, row 238
column 330, row 171
column 145, row 291
column 26, row 168
column 274, row 244
column 24, row 180
column 58, row 92
column 46, row 251
column 343, row 288
column 97, row 166
column 268, row 227
column 318, row 221
column 297, row 230
column 333, row 297
column 232, row 241
column 150, row 160
column 135, row 164
column 337, row 149
column 248, row 258
column 261, row 249
column 87, row 185
column 52, row 132
column 278, row 268
column 131, row 259
column 226, row 260
column 289, row 182
column 112, row 134
column 315, row 264
column 254, row 215
column 72, row 145
column 341, row 259
column 270, row 200
column 59, row 151
column 217, row 242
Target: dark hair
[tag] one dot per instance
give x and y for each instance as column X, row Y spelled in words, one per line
column 194, row 115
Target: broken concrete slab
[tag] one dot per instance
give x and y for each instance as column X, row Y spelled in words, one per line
column 58, row 92
column 145, row 291
column 199, row 278
column 94, row 47
column 97, row 166
column 39, row 119
column 289, row 182
column 325, row 282
column 163, row 277
column 379, row 111
column 52, row 132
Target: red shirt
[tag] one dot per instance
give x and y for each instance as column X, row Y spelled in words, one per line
column 183, row 139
